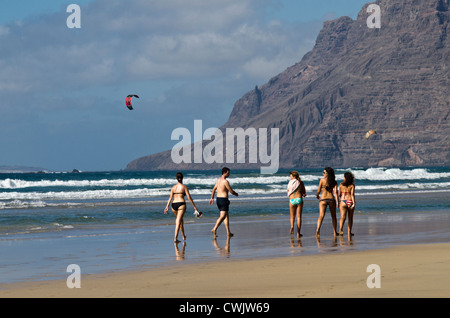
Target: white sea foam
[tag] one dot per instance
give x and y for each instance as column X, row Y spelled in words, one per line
column 16, row 193
column 371, row 174
column 39, row 199
column 387, row 174
column 84, row 195
column 18, row 183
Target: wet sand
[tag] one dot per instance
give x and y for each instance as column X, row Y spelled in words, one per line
column 405, row 271
column 111, row 250
column 262, row 260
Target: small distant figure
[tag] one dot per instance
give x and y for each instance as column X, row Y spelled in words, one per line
column 329, row 197
column 222, row 187
column 296, row 192
column 370, row 133
column 178, row 192
column 347, row 197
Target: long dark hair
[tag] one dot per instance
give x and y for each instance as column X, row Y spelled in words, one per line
column 179, row 177
column 331, row 178
column 349, row 179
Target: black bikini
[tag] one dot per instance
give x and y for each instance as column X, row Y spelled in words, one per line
column 177, row 205
column 328, row 201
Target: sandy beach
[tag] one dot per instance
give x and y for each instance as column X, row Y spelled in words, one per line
column 405, row 271
column 126, row 250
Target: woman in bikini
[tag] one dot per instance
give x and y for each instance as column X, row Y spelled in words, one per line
column 329, row 197
column 296, row 191
column 178, row 192
column 347, row 196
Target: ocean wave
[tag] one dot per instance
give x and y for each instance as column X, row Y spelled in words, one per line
column 20, row 204
column 19, row 184
column 40, row 199
column 257, row 195
column 388, row 174
column 157, row 182
column 84, row 195
column 370, row 174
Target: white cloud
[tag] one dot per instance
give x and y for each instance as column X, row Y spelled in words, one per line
column 145, row 40
column 4, row 30
column 191, row 56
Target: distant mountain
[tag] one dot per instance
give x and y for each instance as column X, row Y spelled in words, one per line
column 393, row 80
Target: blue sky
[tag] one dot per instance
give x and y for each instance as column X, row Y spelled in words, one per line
column 62, row 90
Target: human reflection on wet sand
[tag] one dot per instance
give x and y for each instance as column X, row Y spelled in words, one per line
column 223, row 251
column 179, row 255
column 336, row 241
column 296, row 244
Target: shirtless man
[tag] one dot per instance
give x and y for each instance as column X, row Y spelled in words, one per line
column 222, row 187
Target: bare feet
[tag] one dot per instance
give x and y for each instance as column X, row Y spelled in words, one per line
column 299, row 235
column 292, row 230
column 215, row 235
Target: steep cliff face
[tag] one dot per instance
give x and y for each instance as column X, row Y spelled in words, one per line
column 393, row 79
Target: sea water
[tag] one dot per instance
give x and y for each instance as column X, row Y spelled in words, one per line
column 114, row 220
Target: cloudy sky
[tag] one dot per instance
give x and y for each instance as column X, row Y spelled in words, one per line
column 62, row 90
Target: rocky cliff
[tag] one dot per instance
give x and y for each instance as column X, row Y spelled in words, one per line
column 393, row 79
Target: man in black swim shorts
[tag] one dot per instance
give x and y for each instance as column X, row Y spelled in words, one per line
column 223, row 204
column 222, row 187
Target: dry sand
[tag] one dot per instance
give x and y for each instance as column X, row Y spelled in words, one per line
column 406, row 271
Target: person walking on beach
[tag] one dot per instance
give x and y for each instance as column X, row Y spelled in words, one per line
column 296, row 191
column 329, row 197
column 222, row 187
column 347, row 196
column 178, row 192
